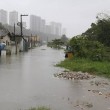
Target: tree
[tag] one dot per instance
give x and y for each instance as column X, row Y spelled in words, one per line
column 100, row 31
column 56, row 43
column 84, row 48
column 64, row 39
column 2, row 27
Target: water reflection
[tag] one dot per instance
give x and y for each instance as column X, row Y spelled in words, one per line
column 27, row 80
column 5, row 60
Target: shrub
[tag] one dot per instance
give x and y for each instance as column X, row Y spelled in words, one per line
column 85, row 48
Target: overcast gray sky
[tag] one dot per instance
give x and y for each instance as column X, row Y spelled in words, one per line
column 75, row 15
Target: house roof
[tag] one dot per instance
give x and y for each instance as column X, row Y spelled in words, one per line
column 3, row 33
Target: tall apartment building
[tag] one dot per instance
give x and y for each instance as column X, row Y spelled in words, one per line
column 13, row 18
column 56, row 28
column 48, row 29
column 38, row 20
column 53, row 28
column 35, row 23
column 24, row 24
column 42, row 26
column 3, row 16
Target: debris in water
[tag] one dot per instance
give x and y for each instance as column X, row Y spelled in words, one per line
column 73, row 75
column 83, row 104
column 89, row 105
column 95, row 91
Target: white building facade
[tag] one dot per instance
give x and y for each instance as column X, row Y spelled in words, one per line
column 56, row 28
column 13, row 18
column 35, row 22
column 42, row 26
column 3, row 16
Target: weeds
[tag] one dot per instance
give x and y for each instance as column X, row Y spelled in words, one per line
column 87, row 65
column 40, row 108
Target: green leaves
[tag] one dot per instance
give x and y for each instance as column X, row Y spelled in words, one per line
column 84, row 48
column 99, row 31
column 57, row 43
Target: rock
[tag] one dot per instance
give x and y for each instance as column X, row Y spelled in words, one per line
column 97, row 83
column 73, row 75
column 95, row 91
column 105, row 83
column 107, row 95
column 100, row 93
column 89, row 105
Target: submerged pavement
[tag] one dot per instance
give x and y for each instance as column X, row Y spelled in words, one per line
column 27, row 80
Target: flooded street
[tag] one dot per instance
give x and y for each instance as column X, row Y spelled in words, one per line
column 27, row 80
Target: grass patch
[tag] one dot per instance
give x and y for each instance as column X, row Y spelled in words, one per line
column 87, row 65
column 40, row 108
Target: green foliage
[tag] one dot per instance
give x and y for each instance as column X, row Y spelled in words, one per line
column 100, row 31
column 64, row 39
column 91, row 50
column 57, row 43
column 84, row 48
column 2, row 27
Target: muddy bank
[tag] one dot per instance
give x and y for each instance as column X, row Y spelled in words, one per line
column 92, row 92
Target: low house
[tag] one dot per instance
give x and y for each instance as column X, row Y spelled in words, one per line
column 15, row 43
column 32, row 41
column 24, row 44
column 10, row 41
column 5, row 42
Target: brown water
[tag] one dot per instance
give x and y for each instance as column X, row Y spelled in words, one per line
column 27, row 80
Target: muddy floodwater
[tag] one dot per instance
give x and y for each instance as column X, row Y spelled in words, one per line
column 27, row 80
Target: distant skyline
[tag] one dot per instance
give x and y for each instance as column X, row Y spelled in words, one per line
column 75, row 15
column 36, row 23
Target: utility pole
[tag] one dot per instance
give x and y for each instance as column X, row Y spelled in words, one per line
column 15, row 40
column 21, row 26
column 31, row 42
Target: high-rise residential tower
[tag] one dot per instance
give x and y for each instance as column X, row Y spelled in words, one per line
column 35, row 23
column 13, row 18
column 3, row 16
column 48, row 29
column 42, row 26
column 56, row 28
column 24, row 24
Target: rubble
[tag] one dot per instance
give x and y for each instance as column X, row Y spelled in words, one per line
column 107, row 95
column 83, row 105
column 74, row 75
column 100, row 93
column 99, row 83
